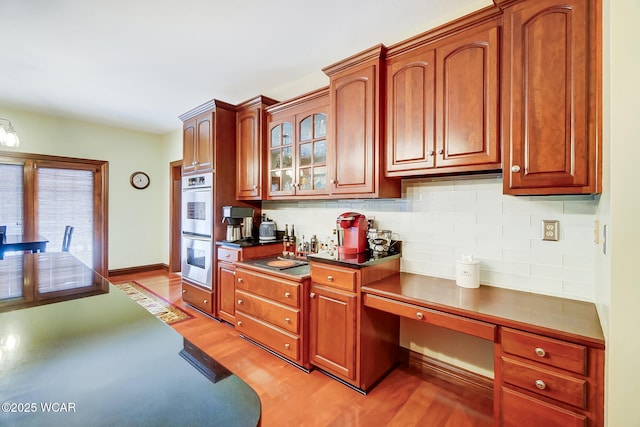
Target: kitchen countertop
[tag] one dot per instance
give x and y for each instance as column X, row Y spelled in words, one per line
column 364, row 259
column 246, row 243
column 99, row 358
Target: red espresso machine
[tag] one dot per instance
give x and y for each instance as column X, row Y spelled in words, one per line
column 351, row 228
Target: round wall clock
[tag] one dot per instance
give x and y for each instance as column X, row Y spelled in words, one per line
column 139, row 180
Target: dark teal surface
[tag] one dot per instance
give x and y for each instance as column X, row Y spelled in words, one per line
column 115, row 364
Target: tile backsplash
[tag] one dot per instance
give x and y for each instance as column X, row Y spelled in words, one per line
column 440, row 220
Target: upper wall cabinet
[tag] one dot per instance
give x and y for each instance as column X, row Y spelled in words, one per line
column 551, row 102
column 197, row 154
column 354, row 150
column 443, row 104
column 250, row 136
column 297, row 147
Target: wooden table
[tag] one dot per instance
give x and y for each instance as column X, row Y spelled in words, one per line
column 22, row 242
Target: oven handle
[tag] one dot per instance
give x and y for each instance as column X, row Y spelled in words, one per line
column 196, row 237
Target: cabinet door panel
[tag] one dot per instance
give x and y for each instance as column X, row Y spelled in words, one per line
column 354, row 125
column 548, row 85
column 468, row 101
column 410, row 120
column 333, row 330
column 204, row 143
column 249, row 172
column 519, row 410
column 189, row 146
column 226, row 291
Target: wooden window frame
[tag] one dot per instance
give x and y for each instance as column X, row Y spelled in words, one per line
column 100, row 168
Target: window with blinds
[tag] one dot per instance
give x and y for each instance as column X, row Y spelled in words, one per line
column 65, row 197
column 11, row 192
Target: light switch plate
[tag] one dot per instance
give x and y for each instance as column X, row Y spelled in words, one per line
column 550, row 230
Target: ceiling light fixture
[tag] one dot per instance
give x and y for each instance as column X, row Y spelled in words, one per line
column 8, row 135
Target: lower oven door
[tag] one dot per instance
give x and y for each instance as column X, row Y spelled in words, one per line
column 197, row 260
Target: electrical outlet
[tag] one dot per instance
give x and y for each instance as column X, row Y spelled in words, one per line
column 550, row 230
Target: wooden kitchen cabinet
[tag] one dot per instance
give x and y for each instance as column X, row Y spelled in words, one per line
column 197, row 297
column 547, row 381
column 551, row 95
column 272, row 310
column 201, row 129
column 443, row 104
column 333, row 326
column 297, row 152
column 354, row 150
column 356, row 344
column 250, row 146
column 227, row 256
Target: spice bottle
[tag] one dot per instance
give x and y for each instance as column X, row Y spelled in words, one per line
column 285, row 241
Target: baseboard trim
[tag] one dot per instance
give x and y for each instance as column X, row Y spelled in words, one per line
column 138, row 269
column 448, row 372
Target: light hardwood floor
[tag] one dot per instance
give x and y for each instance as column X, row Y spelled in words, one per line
column 292, row 397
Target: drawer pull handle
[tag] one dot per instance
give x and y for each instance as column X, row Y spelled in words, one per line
column 312, row 295
column 540, row 384
column 287, row 346
column 286, row 319
column 515, row 168
column 184, row 291
column 540, row 351
column 239, row 323
column 420, row 315
column 206, row 301
column 239, row 279
column 329, row 278
column 239, row 301
column 287, row 294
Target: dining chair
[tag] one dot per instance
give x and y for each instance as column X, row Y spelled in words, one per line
column 66, row 240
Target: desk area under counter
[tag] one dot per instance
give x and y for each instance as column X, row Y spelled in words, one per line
column 548, row 351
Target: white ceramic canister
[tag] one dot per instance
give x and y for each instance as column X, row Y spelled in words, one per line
column 468, row 272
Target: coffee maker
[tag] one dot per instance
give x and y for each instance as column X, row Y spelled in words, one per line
column 239, row 222
column 351, row 228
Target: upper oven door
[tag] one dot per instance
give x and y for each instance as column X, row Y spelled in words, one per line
column 197, row 210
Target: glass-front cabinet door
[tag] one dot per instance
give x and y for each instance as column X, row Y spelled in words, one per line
column 312, row 154
column 281, row 161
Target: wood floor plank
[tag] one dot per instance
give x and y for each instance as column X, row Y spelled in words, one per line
column 292, row 397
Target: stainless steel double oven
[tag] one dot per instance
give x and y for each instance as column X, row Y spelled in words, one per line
column 197, row 229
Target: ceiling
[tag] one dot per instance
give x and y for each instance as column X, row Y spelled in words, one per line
column 139, row 64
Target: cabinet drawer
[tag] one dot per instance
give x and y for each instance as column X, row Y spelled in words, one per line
column 277, row 340
column 545, row 383
column 269, row 311
column 228, row 254
column 446, row 320
column 552, row 352
column 197, row 297
column 519, row 410
column 341, row 278
column 280, row 290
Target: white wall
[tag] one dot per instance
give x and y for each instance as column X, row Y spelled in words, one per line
column 618, row 289
column 138, row 219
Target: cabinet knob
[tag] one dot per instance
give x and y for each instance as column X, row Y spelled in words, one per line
column 227, row 255
column 332, row 181
column 239, row 301
column 540, row 384
column 194, row 163
column 515, row 168
column 287, row 320
column 312, row 295
column 419, row 315
column 184, row 291
column 329, row 278
column 206, row 301
column 440, row 151
column 287, row 346
column 430, row 153
column 540, row 351
column 287, row 294
column 239, row 279
column 255, row 187
column 239, row 323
